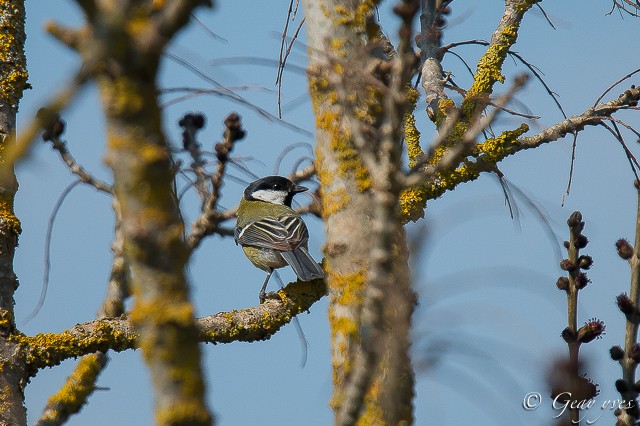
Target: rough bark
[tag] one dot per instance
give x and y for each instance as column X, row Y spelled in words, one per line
column 13, row 81
column 342, row 39
column 121, row 46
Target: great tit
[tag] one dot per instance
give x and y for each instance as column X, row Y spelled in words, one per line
column 271, row 233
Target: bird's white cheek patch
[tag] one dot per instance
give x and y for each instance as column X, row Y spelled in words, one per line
column 270, row 196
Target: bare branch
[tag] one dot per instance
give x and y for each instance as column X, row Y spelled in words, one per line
column 173, row 16
column 191, row 124
column 47, row 251
column 628, row 6
column 493, row 104
column 614, row 85
column 591, row 117
column 210, row 218
column 429, row 42
column 282, row 59
column 544, row 13
column 53, row 127
column 230, row 94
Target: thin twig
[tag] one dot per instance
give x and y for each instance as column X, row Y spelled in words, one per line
column 75, row 168
column 493, row 104
column 208, row 221
column 574, row 144
column 256, row 60
column 534, row 70
column 191, row 125
column 614, row 85
column 282, row 59
column 207, row 29
column 23, row 142
column 286, row 151
column 47, row 250
column 590, row 117
column 544, row 13
column 235, row 97
column 630, row 157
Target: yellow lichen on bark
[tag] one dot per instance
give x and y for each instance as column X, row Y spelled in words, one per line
column 183, row 412
column 372, row 410
column 357, row 17
column 13, row 81
column 78, row 386
column 410, row 131
column 121, row 96
column 49, row 349
column 5, row 399
column 349, row 162
column 7, row 213
column 496, row 149
column 347, row 289
column 243, row 326
column 334, row 201
column 164, row 311
column 413, row 202
column 344, row 290
column 489, row 69
column 13, row 62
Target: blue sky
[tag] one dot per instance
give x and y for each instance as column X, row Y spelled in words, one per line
column 489, row 320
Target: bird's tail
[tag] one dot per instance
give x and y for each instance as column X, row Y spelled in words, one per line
column 303, row 264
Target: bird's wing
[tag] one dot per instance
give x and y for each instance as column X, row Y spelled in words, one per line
column 283, row 233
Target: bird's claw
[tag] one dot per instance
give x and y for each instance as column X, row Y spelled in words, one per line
column 270, row 295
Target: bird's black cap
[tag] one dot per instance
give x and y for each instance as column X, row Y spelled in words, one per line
column 274, row 183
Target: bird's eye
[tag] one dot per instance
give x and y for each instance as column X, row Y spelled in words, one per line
column 276, row 186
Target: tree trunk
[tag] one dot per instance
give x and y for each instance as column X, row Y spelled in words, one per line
column 13, row 81
column 340, row 32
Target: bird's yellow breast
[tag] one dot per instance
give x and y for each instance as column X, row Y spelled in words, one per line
column 265, row 259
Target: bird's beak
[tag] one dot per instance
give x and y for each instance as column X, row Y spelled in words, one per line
column 299, row 188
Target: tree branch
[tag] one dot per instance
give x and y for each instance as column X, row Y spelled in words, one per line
column 429, row 43
column 590, row 117
column 173, row 16
column 208, row 221
column 118, row 334
column 489, row 69
column 80, row 384
column 74, row 393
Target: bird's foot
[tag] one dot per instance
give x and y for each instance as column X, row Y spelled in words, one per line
column 270, row 295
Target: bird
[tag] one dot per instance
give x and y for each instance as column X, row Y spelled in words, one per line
column 271, row 233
